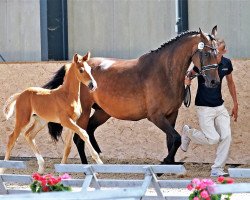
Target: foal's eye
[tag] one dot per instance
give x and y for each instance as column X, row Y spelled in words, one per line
column 81, row 70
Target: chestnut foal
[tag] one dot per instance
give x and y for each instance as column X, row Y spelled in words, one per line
column 61, row 105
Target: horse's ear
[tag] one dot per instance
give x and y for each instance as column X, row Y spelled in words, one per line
column 86, row 57
column 203, row 36
column 214, row 31
column 75, row 58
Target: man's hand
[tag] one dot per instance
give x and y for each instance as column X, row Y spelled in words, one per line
column 187, row 81
column 234, row 112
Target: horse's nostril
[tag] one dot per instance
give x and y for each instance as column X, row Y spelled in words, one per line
column 212, row 82
column 91, row 85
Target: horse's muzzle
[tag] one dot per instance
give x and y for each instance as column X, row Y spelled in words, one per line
column 92, row 86
column 212, row 84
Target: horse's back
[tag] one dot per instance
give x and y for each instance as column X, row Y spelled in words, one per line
column 120, row 90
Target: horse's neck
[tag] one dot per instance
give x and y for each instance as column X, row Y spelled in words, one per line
column 181, row 57
column 71, row 85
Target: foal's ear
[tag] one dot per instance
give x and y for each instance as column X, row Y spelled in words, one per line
column 75, row 58
column 86, row 57
column 203, row 36
column 214, row 31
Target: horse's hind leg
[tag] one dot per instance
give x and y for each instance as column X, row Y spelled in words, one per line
column 30, row 134
column 69, row 123
column 21, row 122
column 67, row 146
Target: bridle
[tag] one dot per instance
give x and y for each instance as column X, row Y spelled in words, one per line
column 198, row 72
column 203, row 67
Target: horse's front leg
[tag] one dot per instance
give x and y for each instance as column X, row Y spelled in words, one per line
column 172, row 120
column 69, row 123
column 82, row 122
column 164, row 124
column 97, row 119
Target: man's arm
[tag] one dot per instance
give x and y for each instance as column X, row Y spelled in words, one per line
column 232, row 90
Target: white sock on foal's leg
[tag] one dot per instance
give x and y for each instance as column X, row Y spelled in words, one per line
column 40, row 162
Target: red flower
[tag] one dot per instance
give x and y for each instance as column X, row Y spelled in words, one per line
column 230, row 180
column 54, row 181
column 221, row 179
column 45, row 188
column 43, row 182
column 47, row 183
column 36, row 176
column 190, row 186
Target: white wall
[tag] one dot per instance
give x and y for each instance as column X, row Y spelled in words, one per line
column 232, row 18
column 20, row 30
column 122, row 29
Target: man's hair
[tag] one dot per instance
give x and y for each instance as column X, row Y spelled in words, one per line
column 221, row 42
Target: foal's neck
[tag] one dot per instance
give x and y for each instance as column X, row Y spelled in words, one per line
column 71, row 84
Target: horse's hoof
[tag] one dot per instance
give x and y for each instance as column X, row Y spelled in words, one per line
column 167, row 162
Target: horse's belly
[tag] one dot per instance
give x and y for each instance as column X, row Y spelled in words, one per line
column 125, row 110
column 125, row 114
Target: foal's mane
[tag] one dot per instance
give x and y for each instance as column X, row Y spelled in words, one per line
column 171, row 41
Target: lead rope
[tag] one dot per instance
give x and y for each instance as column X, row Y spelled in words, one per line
column 187, row 96
column 187, row 91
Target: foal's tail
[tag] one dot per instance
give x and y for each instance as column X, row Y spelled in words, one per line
column 9, row 105
column 55, row 130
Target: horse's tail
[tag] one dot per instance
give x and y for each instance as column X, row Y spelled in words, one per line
column 55, row 129
column 9, row 106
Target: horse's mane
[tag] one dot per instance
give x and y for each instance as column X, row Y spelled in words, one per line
column 171, row 41
column 57, row 79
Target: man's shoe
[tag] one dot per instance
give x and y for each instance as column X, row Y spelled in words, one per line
column 216, row 172
column 185, row 140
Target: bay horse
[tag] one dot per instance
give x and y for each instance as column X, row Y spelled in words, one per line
column 61, row 105
column 151, row 86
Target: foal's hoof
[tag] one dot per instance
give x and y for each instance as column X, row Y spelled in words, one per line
column 2, row 170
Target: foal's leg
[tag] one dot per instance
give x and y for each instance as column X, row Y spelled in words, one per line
column 161, row 122
column 69, row 123
column 21, row 122
column 98, row 118
column 82, row 122
column 67, row 146
column 30, row 135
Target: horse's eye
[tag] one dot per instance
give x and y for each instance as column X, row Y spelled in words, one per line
column 81, row 70
column 206, row 54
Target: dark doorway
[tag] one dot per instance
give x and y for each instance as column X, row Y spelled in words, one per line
column 57, row 29
column 183, row 16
